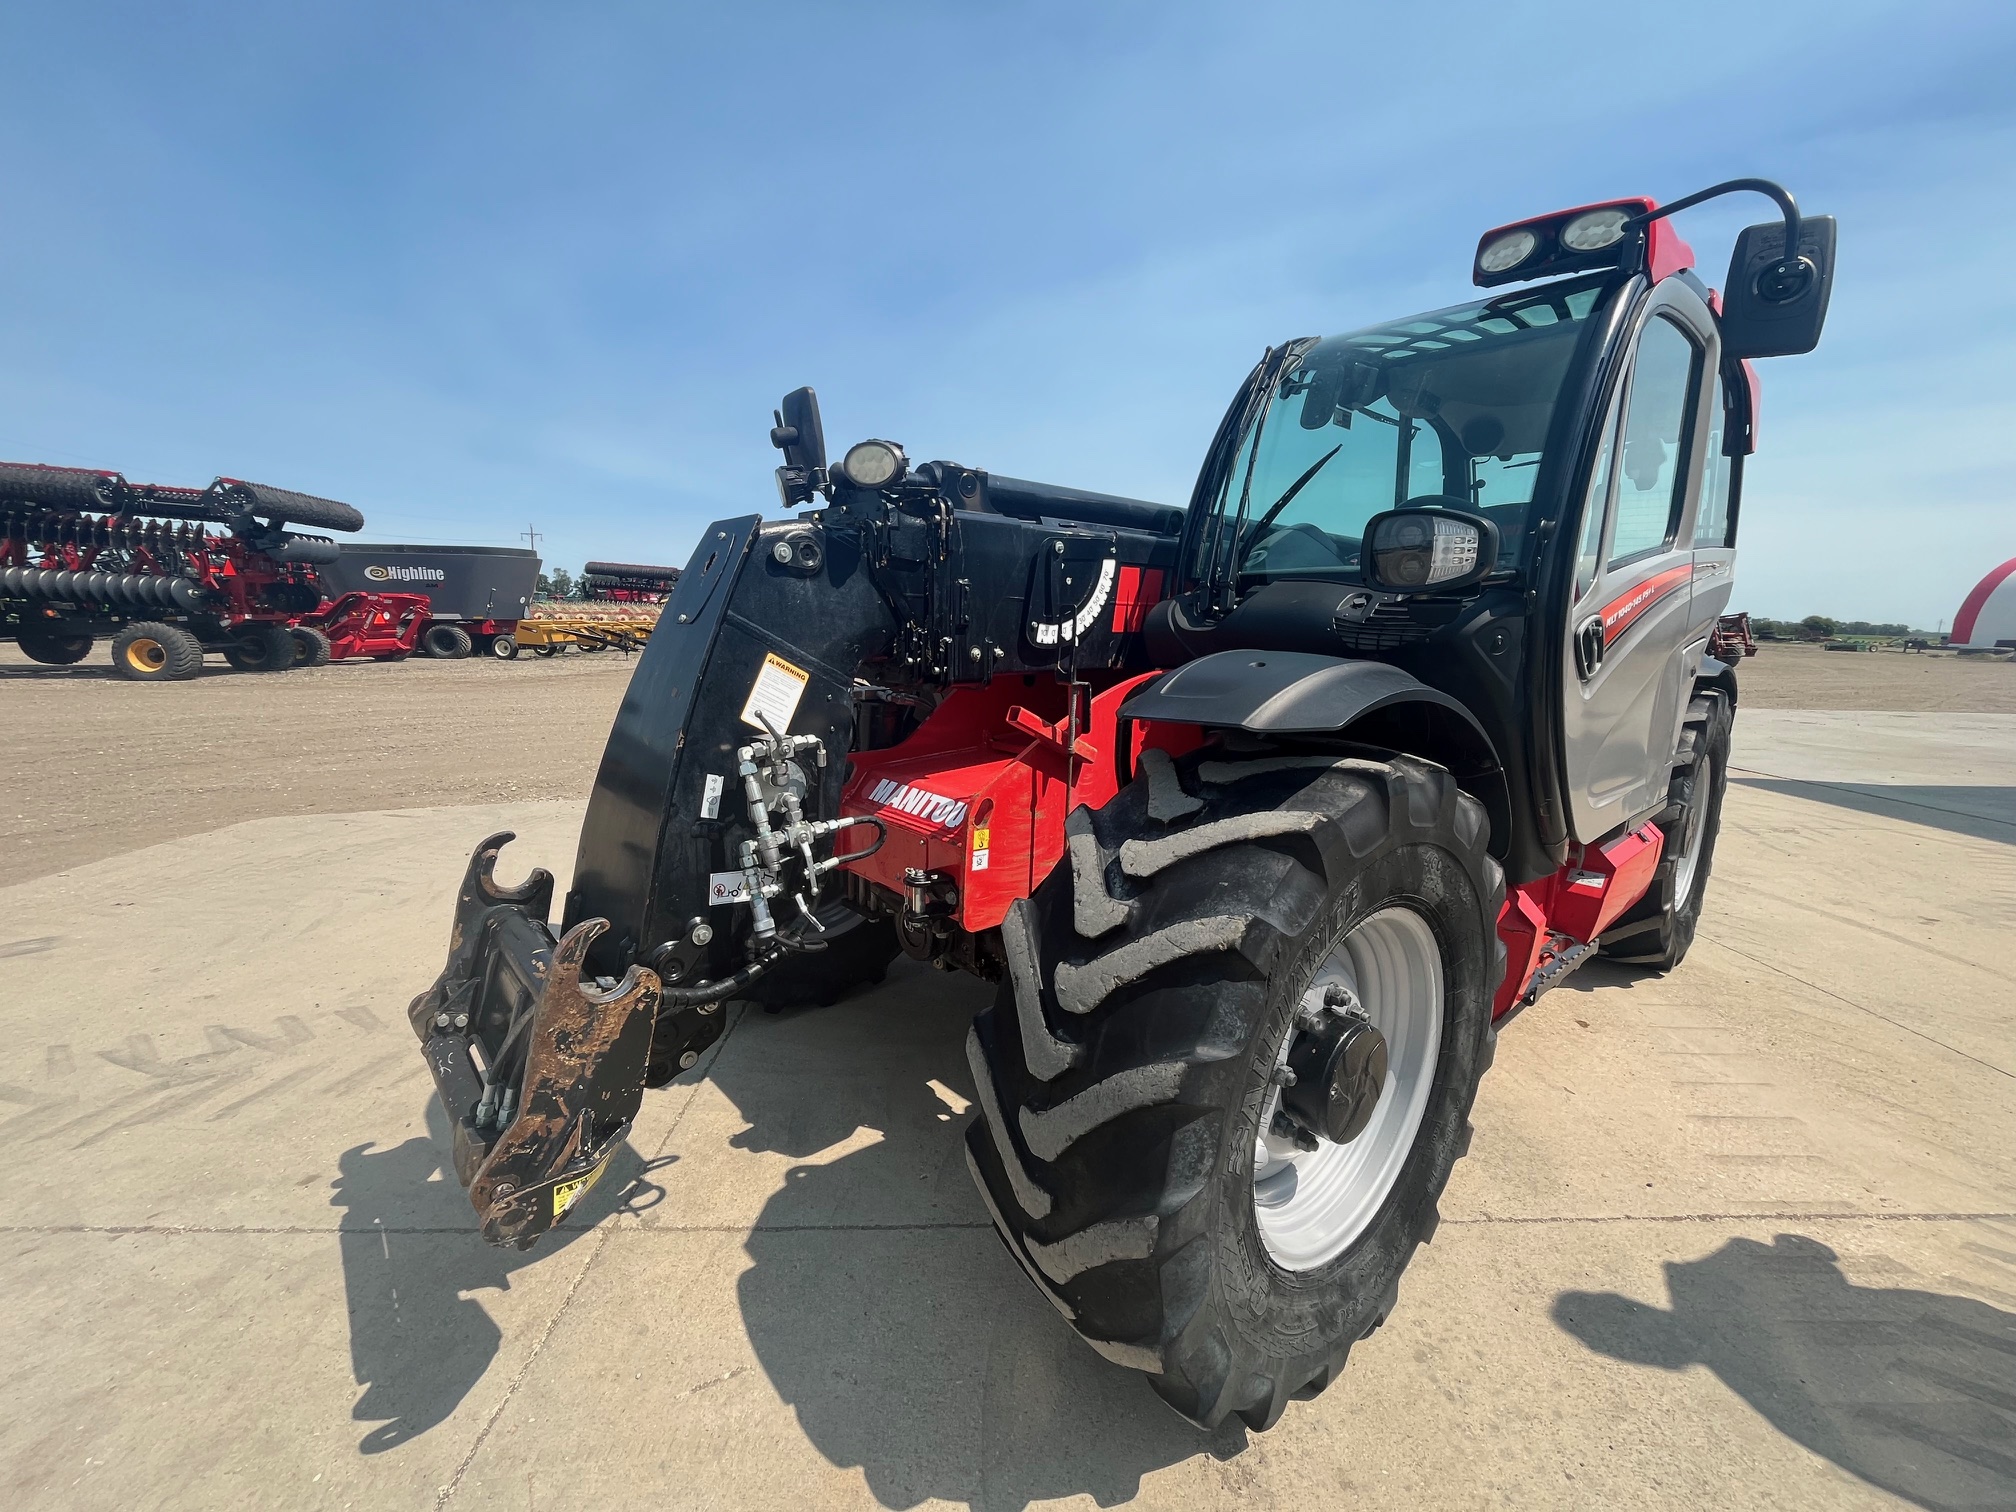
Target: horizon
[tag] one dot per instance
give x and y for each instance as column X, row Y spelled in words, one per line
column 482, row 271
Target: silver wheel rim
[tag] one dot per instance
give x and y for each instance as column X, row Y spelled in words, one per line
column 1689, row 860
column 1312, row 1205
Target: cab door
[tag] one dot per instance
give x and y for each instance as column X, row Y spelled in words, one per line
column 1633, row 641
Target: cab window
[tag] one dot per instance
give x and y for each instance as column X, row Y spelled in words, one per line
column 1654, row 454
column 1711, row 524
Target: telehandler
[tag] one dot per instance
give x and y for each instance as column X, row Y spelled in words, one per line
column 1261, row 813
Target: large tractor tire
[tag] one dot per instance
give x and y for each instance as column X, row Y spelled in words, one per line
column 52, row 645
column 262, row 648
column 1656, row 930
column 858, row 952
column 1232, row 1064
column 447, row 642
column 150, row 652
column 311, row 647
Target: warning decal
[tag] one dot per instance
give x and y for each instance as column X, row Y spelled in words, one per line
column 567, row 1193
column 775, row 693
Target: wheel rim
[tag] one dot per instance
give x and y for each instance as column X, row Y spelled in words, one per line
column 1312, row 1205
column 1688, row 862
column 146, row 655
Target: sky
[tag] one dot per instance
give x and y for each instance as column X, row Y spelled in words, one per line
column 484, row 269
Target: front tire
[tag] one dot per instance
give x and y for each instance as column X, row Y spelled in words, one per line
column 1128, row 1073
column 504, row 647
column 1656, row 930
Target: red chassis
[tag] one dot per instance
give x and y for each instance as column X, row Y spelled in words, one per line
column 382, row 626
column 975, row 801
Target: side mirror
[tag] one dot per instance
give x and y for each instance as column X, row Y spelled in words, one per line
column 1772, row 306
column 1413, row 550
column 799, row 434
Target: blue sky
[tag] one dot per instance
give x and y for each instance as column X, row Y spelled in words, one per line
column 473, row 267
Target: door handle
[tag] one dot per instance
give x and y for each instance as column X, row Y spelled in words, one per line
column 1589, row 646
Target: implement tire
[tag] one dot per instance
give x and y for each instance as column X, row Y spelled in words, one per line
column 311, row 647
column 262, row 648
column 52, row 645
column 1158, row 981
column 148, row 651
column 1657, row 929
column 446, row 642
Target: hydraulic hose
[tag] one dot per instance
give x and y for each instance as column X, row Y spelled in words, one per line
column 714, row 992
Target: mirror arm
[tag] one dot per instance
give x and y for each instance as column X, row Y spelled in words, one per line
column 1788, row 266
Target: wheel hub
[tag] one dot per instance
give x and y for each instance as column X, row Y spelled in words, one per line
column 1340, row 1070
column 1349, row 1090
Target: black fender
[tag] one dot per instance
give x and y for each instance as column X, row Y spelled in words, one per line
column 1716, row 673
column 1304, row 693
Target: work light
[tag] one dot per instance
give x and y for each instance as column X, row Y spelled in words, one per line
column 873, row 464
column 1595, row 230
column 1411, row 549
column 1508, row 251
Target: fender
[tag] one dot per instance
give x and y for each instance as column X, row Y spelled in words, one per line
column 1306, row 693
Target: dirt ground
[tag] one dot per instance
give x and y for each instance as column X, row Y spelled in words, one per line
column 96, row 766
column 93, row 766
column 1944, row 682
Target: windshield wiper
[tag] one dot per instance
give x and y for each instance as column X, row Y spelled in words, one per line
column 1274, row 510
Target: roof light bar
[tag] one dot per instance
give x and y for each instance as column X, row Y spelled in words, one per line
column 1614, row 234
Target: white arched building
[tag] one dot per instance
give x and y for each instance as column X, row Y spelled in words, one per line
column 1987, row 619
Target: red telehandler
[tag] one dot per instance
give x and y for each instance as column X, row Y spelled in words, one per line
column 1260, row 813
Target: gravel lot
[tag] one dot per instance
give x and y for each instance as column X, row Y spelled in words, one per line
column 96, row 766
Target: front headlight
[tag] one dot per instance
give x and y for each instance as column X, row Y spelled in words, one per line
column 873, row 464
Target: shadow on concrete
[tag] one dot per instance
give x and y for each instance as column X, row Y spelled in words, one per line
column 411, row 1260
column 1982, row 812
column 881, row 1304
column 1913, row 1391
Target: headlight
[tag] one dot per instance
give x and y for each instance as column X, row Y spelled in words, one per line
column 873, row 464
column 1508, row 251
column 1424, row 549
column 1595, row 230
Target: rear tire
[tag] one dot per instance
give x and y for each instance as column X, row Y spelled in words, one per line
column 446, row 642
column 152, row 652
column 51, row 645
column 1657, row 929
column 311, row 647
column 1154, row 986
column 504, row 647
column 262, row 648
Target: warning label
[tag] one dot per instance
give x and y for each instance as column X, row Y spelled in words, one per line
column 567, row 1193
column 726, row 887
column 775, row 693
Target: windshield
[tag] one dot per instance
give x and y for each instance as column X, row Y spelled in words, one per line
column 1449, row 409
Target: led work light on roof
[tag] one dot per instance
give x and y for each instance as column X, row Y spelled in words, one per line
column 873, row 464
column 1595, row 229
column 1508, row 251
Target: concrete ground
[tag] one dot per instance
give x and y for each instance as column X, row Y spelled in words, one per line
column 1741, row 1237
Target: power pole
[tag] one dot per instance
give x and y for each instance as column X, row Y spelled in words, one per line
column 528, row 534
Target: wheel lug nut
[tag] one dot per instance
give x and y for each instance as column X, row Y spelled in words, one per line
column 1283, row 1077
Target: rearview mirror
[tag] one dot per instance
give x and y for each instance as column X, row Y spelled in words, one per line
column 1411, row 550
column 1772, row 307
column 800, row 436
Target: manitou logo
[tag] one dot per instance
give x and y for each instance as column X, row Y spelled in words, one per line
column 932, row 809
column 379, row 574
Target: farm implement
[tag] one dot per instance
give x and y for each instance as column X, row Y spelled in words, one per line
column 167, row 573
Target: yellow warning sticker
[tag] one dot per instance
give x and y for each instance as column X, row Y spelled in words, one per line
column 775, row 693
column 567, row 1193
column 977, row 860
